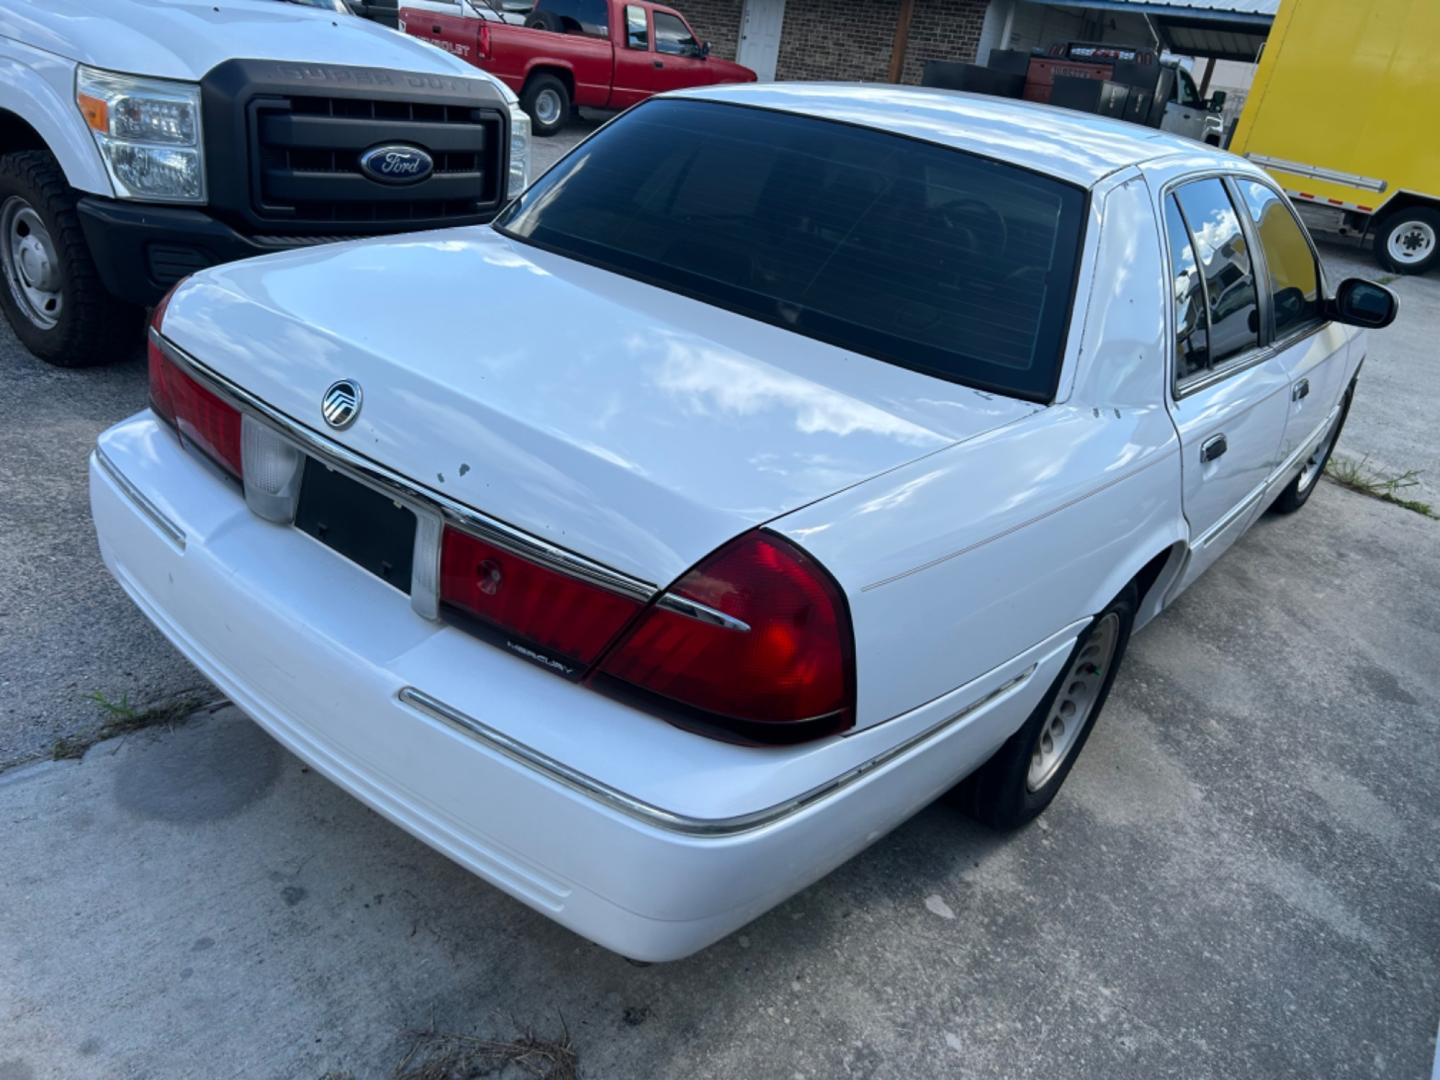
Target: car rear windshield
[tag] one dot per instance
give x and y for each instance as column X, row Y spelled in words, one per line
column 915, row 254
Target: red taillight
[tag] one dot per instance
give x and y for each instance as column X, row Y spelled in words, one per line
column 482, row 44
column 548, row 616
column 793, row 666
column 200, row 416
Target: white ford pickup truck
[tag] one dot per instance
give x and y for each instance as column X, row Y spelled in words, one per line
column 819, row 447
column 141, row 140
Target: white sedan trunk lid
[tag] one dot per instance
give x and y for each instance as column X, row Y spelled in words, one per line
column 616, row 419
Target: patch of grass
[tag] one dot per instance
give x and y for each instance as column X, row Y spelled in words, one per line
column 1386, row 279
column 1358, row 476
column 438, row 1055
column 119, row 711
column 121, row 718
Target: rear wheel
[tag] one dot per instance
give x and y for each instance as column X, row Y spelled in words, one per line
column 547, row 102
column 1408, row 241
column 1297, row 493
column 51, row 292
column 1025, row 774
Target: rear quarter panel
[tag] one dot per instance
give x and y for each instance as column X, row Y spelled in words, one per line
column 965, row 558
column 516, row 52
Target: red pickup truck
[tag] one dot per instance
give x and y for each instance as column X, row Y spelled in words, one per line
column 607, row 54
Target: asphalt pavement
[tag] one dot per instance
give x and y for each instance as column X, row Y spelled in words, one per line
column 1241, row 878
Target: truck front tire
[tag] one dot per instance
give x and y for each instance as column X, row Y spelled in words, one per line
column 546, row 100
column 51, row 293
column 1407, row 241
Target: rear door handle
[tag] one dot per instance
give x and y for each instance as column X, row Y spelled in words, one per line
column 1212, row 448
column 436, row 29
column 1302, row 390
column 658, row 63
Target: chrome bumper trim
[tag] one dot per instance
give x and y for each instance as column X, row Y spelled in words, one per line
column 656, row 817
column 173, row 532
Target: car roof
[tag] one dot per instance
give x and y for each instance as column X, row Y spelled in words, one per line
column 1079, row 147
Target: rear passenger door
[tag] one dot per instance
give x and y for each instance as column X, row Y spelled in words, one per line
column 1315, row 353
column 1229, row 393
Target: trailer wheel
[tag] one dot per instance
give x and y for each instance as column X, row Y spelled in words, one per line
column 1407, row 241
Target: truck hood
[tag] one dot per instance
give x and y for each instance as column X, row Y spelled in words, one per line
column 631, row 425
column 183, row 39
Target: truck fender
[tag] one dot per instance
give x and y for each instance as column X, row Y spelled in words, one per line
column 549, row 65
column 46, row 106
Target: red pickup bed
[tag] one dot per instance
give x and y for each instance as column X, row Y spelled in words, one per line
column 606, row 54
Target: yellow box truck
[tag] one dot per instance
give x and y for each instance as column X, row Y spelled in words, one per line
column 1345, row 112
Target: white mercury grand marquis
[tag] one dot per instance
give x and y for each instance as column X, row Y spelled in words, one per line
column 784, row 456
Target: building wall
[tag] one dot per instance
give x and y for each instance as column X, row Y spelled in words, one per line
column 837, row 39
column 942, row 30
column 715, row 21
column 848, row 40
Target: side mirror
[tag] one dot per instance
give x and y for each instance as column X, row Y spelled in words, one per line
column 1217, row 101
column 703, row 52
column 1359, row 302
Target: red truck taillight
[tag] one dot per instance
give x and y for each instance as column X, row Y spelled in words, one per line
column 200, row 416
column 482, row 42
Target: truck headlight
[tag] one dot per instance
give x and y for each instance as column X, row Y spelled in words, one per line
column 519, row 152
column 148, row 132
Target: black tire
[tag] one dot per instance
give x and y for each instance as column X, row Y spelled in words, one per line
column 545, row 20
column 1415, row 228
column 1297, row 493
column 89, row 326
column 998, row 794
column 536, row 103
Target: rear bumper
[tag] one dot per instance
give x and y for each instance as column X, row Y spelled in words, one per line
column 648, row 840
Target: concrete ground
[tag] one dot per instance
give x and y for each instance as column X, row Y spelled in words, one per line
column 1242, row 876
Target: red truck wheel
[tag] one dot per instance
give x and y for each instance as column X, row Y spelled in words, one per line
column 546, row 100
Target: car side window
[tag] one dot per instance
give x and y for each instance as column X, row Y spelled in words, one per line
column 1223, row 258
column 1192, row 328
column 587, row 17
column 1294, row 278
column 637, row 31
column 673, row 37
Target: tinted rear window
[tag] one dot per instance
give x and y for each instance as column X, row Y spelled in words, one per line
column 912, row 253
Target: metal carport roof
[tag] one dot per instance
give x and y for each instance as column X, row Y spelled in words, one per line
column 1224, row 29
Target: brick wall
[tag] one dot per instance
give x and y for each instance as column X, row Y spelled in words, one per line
column 715, row 21
column 942, row 30
column 837, row 39
column 848, row 39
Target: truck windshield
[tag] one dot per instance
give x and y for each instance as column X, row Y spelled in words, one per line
column 919, row 255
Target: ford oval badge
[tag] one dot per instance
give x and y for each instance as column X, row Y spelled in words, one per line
column 397, row 164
